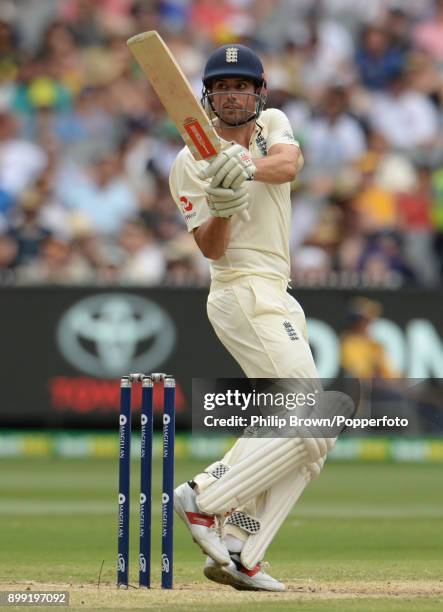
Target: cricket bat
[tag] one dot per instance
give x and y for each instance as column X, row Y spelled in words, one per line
column 175, row 93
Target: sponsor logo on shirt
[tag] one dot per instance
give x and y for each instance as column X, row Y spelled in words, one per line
column 187, row 205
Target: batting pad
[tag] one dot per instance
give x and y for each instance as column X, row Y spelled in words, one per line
column 280, row 500
column 271, row 460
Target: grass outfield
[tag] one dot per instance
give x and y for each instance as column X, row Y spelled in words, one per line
column 363, row 537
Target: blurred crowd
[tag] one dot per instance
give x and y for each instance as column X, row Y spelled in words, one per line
column 85, row 146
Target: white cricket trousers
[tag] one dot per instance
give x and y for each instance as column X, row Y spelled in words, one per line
column 263, row 327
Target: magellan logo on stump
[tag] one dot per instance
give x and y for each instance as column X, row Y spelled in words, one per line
column 109, row 334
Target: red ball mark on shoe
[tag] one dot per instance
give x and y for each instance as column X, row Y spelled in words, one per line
column 250, row 572
column 200, row 519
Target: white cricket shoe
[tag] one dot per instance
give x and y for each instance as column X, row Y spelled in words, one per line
column 238, row 576
column 202, row 526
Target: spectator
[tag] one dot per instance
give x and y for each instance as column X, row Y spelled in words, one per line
column 377, row 59
column 334, row 138
column 349, row 255
column 406, row 118
column 51, row 213
column 88, row 250
column 311, row 266
column 102, row 194
column 144, row 262
column 414, row 212
column 362, row 355
column 89, row 121
column 84, row 18
column 37, row 88
column 27, row 230
column 185, row 264
column 382, row 262
column 54, row 266
column 138, row 152
column 21, row 160
column 374, row 205
column 327, row 50
column 424, row 76
column 59, row 52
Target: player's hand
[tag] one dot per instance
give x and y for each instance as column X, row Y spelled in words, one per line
column 227, row 202
column 230, row 168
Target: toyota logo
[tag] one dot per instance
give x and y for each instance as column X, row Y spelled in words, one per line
column 110, row 334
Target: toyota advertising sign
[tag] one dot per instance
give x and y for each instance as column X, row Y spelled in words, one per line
column 64, row 349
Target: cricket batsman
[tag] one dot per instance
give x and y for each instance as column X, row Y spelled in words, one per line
column 236, row 506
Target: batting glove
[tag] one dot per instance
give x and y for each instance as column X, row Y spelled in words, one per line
column 230, row 168
column 227, row 202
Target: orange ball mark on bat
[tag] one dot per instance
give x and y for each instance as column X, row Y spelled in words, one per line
column 197, row 134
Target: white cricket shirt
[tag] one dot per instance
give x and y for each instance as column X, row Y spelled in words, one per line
column 261, row 246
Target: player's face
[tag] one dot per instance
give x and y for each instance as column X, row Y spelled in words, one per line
column 233, row 99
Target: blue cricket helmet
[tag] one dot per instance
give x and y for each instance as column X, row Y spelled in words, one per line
column 231, row 61
column 235, row 60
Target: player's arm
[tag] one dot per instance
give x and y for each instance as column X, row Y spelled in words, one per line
column 206, row 210
column 234, row 165
column 212, row 237
column 281, row 165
